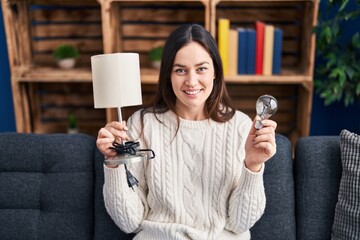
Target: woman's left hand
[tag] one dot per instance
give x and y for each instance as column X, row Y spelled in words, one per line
column 260, row 144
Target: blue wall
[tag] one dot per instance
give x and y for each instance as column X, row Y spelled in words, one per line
column 7, row 120
column 330, row 120
column 326, row 120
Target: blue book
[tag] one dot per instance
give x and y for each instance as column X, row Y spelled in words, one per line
column 277, row 54
column 242, row 44
column 251, row 43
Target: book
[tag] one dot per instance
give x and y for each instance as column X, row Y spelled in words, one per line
column 277, row 54
column 251, row 48
column 233, row 51
column 223, row 42
column 268, row 49
column 242, row 44
column 259, row 52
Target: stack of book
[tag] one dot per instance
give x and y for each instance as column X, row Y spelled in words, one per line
column 255, row 50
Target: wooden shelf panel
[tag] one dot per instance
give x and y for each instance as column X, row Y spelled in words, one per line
column 48, row 74
column 52, row 74
column 148, row 76
column 143, row 25
column 62, row 2
column 256, row 2
column 274, row 79
column 159, row 1
column 61, row 127
column 57, row 22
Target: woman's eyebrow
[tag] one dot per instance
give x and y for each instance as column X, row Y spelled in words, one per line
column 202, row 63
column 178, row 65
column 196, row 65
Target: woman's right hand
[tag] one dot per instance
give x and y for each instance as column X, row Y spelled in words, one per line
column 113, row 131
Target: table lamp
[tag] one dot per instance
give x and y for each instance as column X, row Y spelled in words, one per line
column 116, row 84
column 116, row 80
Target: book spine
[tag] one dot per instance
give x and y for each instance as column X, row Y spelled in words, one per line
column 223, row 43
column 233, row 51
column 278, row 40
column 268, row 49
column 259, row 52
column 242, row 51
column 251, row 48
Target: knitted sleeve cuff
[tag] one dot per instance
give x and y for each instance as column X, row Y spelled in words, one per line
column 251, row 182
column 247, row 202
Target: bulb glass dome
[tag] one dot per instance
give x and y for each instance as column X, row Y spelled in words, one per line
column 266, row 106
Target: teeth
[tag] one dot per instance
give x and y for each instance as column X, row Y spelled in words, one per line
column 192, row 92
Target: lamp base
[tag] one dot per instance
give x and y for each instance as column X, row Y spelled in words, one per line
column 126, row 159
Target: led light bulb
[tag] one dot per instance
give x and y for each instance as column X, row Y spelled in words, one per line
column 266, row 106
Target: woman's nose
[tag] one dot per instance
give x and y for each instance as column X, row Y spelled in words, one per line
column 192, row 79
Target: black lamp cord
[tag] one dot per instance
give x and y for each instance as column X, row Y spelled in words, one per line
column 130, row 147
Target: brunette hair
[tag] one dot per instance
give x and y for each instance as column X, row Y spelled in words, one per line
column 218, row 106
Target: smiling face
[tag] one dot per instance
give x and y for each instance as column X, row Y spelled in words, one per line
column 192, row 79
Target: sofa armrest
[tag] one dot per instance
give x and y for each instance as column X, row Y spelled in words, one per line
column 105, row 228
column 278, row 221
column 317, row 176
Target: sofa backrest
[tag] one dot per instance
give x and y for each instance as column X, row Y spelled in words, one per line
column 317, row 176
column 51, row 188
column 46, row 186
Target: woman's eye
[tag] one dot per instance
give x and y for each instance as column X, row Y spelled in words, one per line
column 179, row 70
column 202, row 69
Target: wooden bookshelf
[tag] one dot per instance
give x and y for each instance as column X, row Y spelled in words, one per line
column 296, row 18
column 44, row 94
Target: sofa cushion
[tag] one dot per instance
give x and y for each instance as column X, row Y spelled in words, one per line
column 317, row 170
column 278, row 220
column 46, row 186
column 347, row 211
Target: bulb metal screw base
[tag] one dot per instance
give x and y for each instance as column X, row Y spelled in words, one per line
column 258, row 124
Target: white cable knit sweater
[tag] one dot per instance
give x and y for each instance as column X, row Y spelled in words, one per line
column 196, row 187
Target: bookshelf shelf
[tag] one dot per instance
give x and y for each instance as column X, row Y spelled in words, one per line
column 44, row 94
column 48, row 74
column 148, row 76
column 275, row 79
column 52, row 74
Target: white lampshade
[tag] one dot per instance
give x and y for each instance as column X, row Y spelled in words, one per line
column 116, row 80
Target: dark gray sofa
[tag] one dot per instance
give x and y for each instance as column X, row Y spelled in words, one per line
column 51, row 188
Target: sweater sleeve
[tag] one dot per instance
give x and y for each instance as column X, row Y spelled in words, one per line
column 247, row 201
column 127, row 207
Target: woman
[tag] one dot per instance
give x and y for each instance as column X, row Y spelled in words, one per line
column 206, row 181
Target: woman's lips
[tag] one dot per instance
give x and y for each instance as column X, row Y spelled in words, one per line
column 192, row 92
